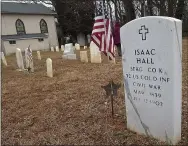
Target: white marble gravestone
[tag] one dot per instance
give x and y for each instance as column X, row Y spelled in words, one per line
column 83, row 56
column 52, row 49
column 38, row 55
column 3, row 59
column 77, row 46
column 49, row 67
column 69, row 49
column 95, row 53
column 62, row 48
column 152, row 69
column 69, row 52
column 19, row 59
column 57, row 48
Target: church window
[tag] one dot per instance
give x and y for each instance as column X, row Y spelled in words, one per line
column 20, row 28
column 43, row 26
column 41, row 40
column 12, row 42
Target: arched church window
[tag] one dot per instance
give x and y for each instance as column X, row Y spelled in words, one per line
column 43, row 26
column 20, row 28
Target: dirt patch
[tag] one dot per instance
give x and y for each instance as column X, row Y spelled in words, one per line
column 70, row 107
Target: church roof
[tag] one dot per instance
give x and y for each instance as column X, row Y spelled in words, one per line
column 25, row 8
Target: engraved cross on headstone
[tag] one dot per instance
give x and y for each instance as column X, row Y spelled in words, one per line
column 143, row 31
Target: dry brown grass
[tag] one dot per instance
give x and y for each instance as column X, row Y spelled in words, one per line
column 69, row 108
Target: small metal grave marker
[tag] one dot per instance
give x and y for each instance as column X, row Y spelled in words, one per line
column 111, row 90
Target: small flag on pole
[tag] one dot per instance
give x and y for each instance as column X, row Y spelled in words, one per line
column 102, row 32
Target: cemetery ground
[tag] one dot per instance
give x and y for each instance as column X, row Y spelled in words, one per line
column 70, row 107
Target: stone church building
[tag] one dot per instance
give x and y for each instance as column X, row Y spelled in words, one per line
column 24, row 24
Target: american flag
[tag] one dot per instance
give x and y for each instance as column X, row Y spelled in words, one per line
column 102, row 33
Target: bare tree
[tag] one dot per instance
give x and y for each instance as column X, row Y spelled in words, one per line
column 130, row 11
column 179, row 9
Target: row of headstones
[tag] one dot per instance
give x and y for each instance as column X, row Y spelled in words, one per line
column 95, row 58
column 69, row 49
column 18, row 51
column 19, row 62
column 69, row 54
column 28, row 61
column 77, row 47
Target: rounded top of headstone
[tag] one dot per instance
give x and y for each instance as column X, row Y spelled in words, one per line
column 49, row 60
column 152, row 17
column 18, row 49
column 69, row 44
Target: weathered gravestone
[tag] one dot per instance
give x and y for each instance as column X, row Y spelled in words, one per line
column 52, row 49
column 152, row 69
column 69, row 52
column 49, row 67
column 3, row 59
column 38, row 55
column 83, row 56
column 77, row 46
column 57, row 48
column 19, row 59
column 95, row 53
column 62, row 48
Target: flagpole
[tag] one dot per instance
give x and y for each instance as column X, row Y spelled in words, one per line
column 104, row 25
column 104, row 21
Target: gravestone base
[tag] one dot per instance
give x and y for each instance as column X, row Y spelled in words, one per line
column 96, row 58
column 69, row 56
column 72, row 56
column 65, row 56
column 21, row 69
column 83, row 56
